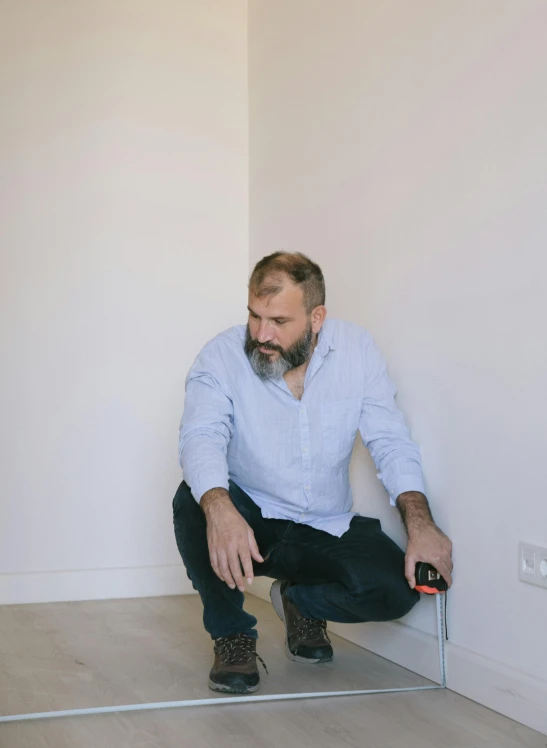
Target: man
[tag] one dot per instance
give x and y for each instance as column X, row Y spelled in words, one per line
column 270, row 418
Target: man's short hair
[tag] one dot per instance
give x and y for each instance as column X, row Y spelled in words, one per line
column 268, row 276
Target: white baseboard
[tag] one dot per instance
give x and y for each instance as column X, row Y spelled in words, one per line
column 94, row 584
column 510, row 692
column 499, row 687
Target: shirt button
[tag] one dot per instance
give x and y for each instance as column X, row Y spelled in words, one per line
column 301, row 411
column 305, row 449
column 307, row 488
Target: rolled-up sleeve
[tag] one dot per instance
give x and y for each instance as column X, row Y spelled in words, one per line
column 384, row 432
column 206, row 428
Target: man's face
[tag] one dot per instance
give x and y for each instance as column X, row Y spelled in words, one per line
column 279, row 332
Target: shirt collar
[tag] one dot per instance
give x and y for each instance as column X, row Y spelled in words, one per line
column 324, row 342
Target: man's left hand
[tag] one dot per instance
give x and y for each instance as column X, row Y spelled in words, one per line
column 429, row 544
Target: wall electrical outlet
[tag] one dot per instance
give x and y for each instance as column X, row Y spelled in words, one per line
column 533, row 564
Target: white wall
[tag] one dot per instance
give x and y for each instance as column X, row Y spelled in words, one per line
column 402, row 145
column 123, row 216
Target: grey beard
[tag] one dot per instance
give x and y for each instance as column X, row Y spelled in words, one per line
column 288, row 359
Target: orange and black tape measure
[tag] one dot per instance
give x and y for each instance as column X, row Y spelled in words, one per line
column 429, row 580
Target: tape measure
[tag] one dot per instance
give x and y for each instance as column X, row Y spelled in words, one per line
column 428, row 579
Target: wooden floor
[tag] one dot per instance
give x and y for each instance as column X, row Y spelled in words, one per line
column 102, row 653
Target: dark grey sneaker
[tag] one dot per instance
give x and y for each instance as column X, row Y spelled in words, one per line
column 234, row 669
column 306, row 639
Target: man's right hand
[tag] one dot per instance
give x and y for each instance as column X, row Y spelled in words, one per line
column 231, row 541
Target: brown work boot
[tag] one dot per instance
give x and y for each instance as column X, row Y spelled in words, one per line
column 306, row 638
column 234, row 669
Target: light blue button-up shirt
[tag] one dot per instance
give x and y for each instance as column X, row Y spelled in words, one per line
column 292, row 456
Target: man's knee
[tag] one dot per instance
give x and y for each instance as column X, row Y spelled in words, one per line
column 400, row 601
column 386, row 603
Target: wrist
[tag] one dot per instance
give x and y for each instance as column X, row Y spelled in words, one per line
column 214, row 499
column 415, row 513
column 415, row 529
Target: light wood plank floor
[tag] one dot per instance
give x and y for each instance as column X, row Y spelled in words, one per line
column 71, row 655
column 110, row 652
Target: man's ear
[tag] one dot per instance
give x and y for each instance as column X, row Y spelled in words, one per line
column 317, row 318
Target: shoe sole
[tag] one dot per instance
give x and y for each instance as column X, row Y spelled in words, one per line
column 277, row 602
column 230, row 689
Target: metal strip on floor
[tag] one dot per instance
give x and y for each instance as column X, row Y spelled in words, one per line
column 204, row 702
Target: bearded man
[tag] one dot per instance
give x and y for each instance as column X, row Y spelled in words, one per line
column 270, row 417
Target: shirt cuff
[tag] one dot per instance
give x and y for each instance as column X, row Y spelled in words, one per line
column 200, row 486
column 401, row 483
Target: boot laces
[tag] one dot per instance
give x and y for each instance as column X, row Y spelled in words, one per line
column 309, row 628
column 237, row 649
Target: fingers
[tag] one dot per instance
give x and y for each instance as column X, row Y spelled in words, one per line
column 214, row 563
column 246, row 555
column 253, row 547
column 430, row 546
column 410, row 571
column 225, row 573
column 247, row 564
column 443, row 565
column 232, row 554
column 219, row 565
column 445, row 568
column 235, row 569
column 228, row 567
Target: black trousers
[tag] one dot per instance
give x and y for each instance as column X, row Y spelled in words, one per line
column 358, row 577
